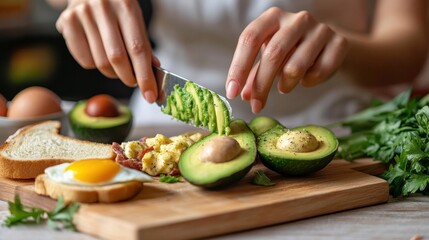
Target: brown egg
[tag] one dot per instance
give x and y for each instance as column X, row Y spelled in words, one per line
column 102, row 105
column 34, row 102
column 3, row 106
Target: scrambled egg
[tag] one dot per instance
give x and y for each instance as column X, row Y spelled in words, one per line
column 165, row 154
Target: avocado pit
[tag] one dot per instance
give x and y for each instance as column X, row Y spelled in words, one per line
column 220, row 149
column 100, row 119
column 102, row 105
column 299, row 141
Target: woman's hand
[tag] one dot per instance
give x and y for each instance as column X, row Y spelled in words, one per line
column 293, row 46
column 111, row 36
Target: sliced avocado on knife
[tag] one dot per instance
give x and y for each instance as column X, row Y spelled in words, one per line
column 222, row 115
column 199, row 105
column 194, row 91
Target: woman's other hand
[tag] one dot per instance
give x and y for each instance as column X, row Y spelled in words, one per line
column 293, row 46
column 110, row 35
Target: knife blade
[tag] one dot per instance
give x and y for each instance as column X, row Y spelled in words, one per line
column 166, row 82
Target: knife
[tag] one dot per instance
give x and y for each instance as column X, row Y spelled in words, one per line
column 167, row 81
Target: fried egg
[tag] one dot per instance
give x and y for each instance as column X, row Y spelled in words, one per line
column 94, row 172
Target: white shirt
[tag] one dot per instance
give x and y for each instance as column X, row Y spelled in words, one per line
column 197, row 38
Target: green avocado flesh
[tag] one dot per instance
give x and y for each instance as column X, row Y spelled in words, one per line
column 216, row 175
column 261, row 124
column 297, row 163
column 204, row 108
column 100, row 129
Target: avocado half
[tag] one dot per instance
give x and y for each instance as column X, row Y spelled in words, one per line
column 261, row 124
column 218, row 175
column 297, row 163
column 100, row 129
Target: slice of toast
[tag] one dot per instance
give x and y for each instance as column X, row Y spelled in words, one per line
column 27, row 153
column 86, row 194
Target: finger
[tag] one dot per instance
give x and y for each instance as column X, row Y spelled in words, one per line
column 327, row 63
column 286, row 85
column 278, row 50
column 304, row 57
column 113, row 43
column 246, row 93
column 155, row 61
column 75, row 39
column 138, row 47
column 249, row 43
column 95, row 42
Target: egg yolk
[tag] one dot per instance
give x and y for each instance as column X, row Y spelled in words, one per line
column 93, row 170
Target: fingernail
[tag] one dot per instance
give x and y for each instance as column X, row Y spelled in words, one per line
column 256, row 105
column 149, row 96
column 244, row 98
column 232, row 90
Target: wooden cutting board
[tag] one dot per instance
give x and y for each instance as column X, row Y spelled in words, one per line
column 180, row 211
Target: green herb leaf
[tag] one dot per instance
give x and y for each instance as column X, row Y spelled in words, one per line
column 416, row 182
column 397, row 130
column 168, row 179
column 20, row 215
column 60, row 217
column 261, row 179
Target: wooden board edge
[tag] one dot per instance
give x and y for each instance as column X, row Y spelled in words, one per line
column 255, row 216
column 365, row 165
column 28, row 198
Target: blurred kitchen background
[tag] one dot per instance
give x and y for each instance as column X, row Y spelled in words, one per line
column 32, row 52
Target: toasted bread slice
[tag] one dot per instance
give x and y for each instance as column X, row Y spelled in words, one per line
column 27, row 153
column 86, row 194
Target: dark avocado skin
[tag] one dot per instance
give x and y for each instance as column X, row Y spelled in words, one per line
column 295, row 167
column 288, row 165
column 94, row 133
column 103, row 135
column 227, row 182
column 261, row 124
column 234, row 173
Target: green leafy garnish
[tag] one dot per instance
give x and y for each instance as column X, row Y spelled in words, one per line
column 59, row 218
column 169, row 179
column 261, row 179
column 397, row 133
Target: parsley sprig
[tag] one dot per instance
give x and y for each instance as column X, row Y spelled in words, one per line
column 59, row 218
column 397, row 133
column 169, row 179
column 261, row 179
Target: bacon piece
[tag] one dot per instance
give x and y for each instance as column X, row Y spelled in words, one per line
column 123, row 160
column 143, row 152
column 174, row 172
column 131, row 163
column 120, row 155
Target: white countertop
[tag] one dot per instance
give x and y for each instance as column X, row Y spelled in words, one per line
column 400, row 218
